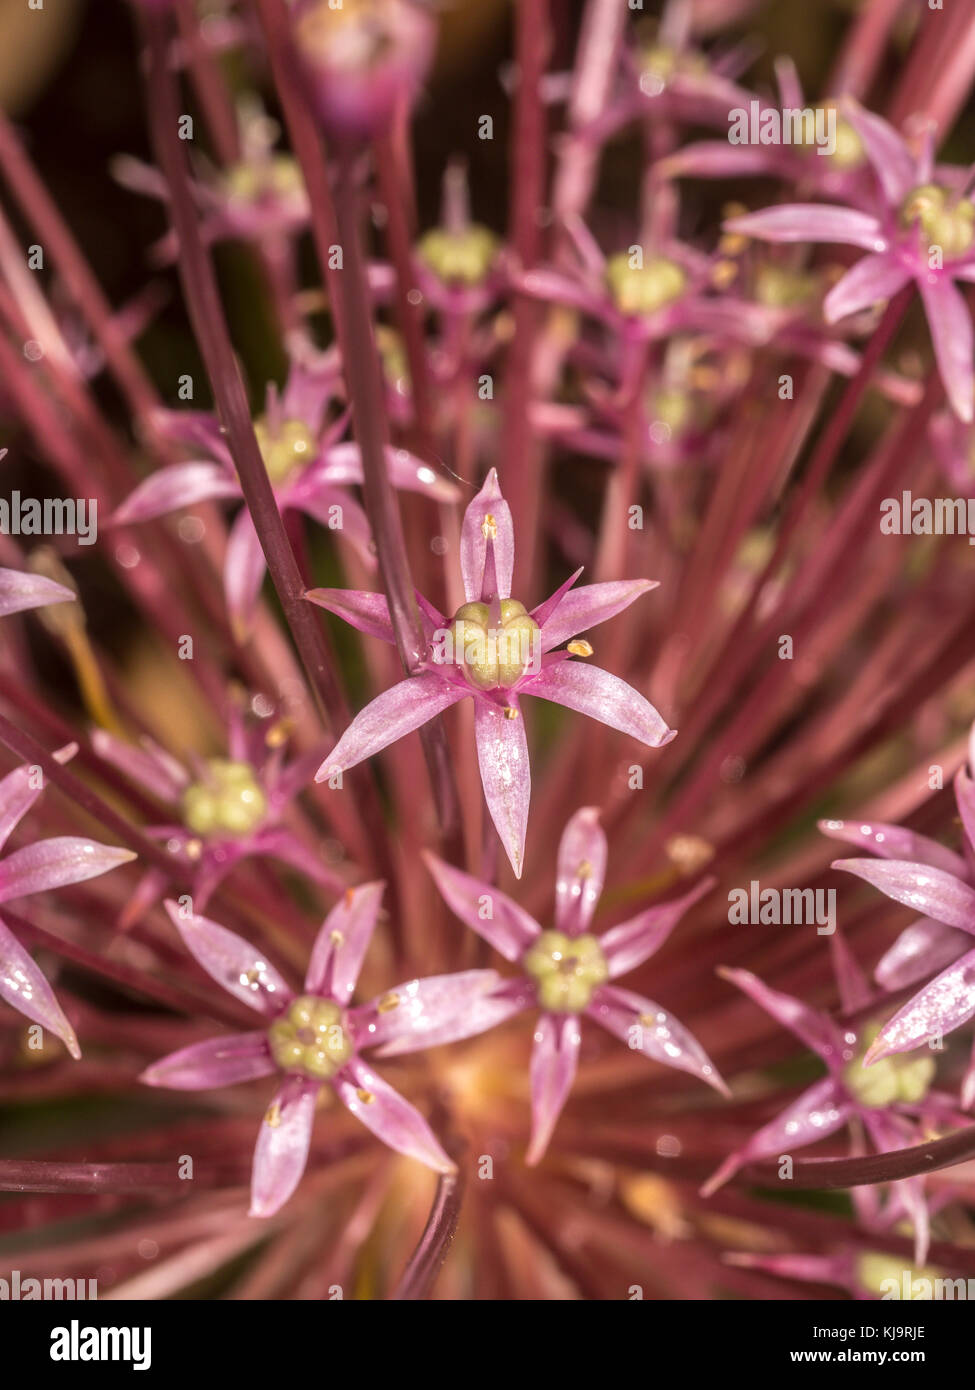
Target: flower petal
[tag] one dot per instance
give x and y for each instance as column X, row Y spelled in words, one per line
column 811, row 222
column 391, row 1118
column 392, row 715
column 921, row 949
column 243, row 571
column 485, row 909
column 18, row 792
column 181, row 485
column 817, row 1030
column 148, row 766
column 234, row 963
column 215, row 1062
column 555, row 1056
column 645, row 1027
column 342, row 942
column 943, row 1005
column 487, row 568
column 873, row 280
column 23, row 986
column 929, row 891
column 584, row 608
column 56, row 862
column 950, row 324
column 893, row 163
column 367, row 612
column 502, row 756
column 22, row 591
column 632, row 942
column 435, row 1010
column 282, row 1145
column 894, row 842
column 590, row 690
column 581, row 871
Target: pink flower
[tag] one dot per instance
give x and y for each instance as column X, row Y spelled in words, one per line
column 567, row 969
column 35, row 869
column 494, row 651
column 923, row 231
column 21, row 591
column 315, row 1038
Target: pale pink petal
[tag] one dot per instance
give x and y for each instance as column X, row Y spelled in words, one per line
column 817, row 1030
column 56, row 862
column 350, row 521
column 22, row 591
column 367, row 612
column 342, row 942
column 149, row 766
column 818, row 1112
column 487, row 544
column 181, row 485
column 929, row 891
column 215, row 1062
column 555, row 1056
column 894, row 842
column 893, row 163
column 582, row 609
column 243, row 571
column 943, row 1005
column 21, row 788
column 873, row 280
column 965, row 801
column 921, row 949
column 25, row 989
column 950, row 323
column 282, row 1145
column 502, row 756
column 635, row 940
column 811, row 222
column 342, row 464
column 647, row 1028
column 485, row 909
column 240, row 968
column 590, row 690
column 435, row 1010
column 717, row 159
column 580, row 872
column 393, row 714
column 283, row 845
column 391, row 1118
column 547, row 607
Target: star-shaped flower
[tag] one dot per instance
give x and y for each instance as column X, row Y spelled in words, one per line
column 316, row 1037
column 567, row 969
column 495, row 651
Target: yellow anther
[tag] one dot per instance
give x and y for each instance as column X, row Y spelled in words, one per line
column 579, row 647
column 388, row 1003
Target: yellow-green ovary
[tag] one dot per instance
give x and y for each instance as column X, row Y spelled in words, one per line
column 228, row 801
column 904, row 1077
column 290, row 446
column 309, row 1038
column 644, row 289
column 944, row 221
column 566, row 970
column 494, row 657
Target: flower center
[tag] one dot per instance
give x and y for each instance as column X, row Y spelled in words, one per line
column 283, row 451
column 944, row 222
column 459, row 258
column 566, row 970
column 309, row 1039
column 278, row 177
column 229, row 801
column 493, row 657
column 875, row 1270
column 900, row 1077
column 352, row 35
column 643, row 289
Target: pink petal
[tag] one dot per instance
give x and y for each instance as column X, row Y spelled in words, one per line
column 342, row 464
column 717, row 159
column 635, row 940
column 215, row 1062
column 283, row 845
column 893, row 163
column 645, row 1027
column 56, row 862
column 584, row 608
column 581, row 871
column 282, row 1145
column 487, row 569
column 148, row 766
column 555, row 1056
column 485, row 909
column 817, row 1030
column 391, row 1118
column 929, row 891
column 21, row 591
column 181, row 485
column 17, row 794
column 943, row 1005
column 391, row 716
column 367, row 612
column 353, row 524
column 435, row 1010
column 894, row 842
column 818, row 1112
column 965, row 801
column 25, row 989
column 342, row 942
column 873, row 280
column 811, row 222
column 234, row 963
column 547, row 607
column 921, row 949
column 950, row 324
column 590, row 690
column 243, row 571
column 502, row 755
